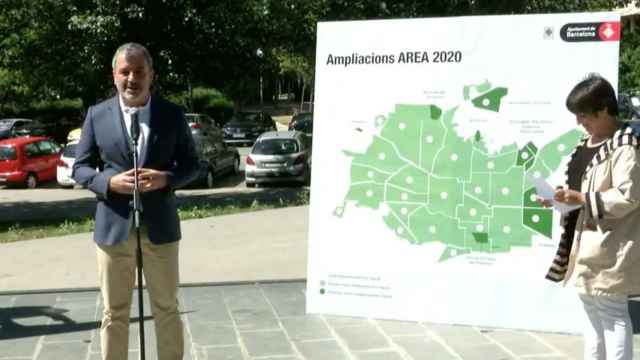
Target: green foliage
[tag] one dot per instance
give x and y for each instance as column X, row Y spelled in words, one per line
column 296, row 65
column 220, row 108
column 49, row 110
column 52, row 226
column 554, row 6
column 55, row 117
column 41, row 50
column 630, row 61
column 58, row 116
column 63, row 48
column 10, row 232
column 209, row 101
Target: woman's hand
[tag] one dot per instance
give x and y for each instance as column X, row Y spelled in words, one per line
column 569, row 197
column 544, row 202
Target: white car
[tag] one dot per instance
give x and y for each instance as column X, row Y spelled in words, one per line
column 279, row 156
column 65, row 166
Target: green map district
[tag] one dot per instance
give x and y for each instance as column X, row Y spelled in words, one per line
column 443, row 188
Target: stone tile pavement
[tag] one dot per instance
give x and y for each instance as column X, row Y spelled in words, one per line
column 260, row 321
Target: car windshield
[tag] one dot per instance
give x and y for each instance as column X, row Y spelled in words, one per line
column 197, row 118
column 276, row 147
column 304, row 126
column 303, row 117
column 245, row 118
column 70, row 151
column 7, row 153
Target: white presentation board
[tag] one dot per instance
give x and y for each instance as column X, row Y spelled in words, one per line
column 426, row 134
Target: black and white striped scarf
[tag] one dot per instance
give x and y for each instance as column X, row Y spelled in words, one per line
column 624, row 136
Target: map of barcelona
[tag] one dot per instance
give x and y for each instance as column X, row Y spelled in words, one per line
column 441, row 187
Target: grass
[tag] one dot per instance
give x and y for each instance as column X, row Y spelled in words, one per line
column 37, row 229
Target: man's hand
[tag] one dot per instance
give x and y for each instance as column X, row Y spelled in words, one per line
column 150, row 179
column 570, row 197
column 122, row 183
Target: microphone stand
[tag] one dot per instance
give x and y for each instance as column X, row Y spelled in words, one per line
column 137, row 210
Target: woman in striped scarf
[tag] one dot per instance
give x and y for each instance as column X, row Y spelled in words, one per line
column 599, row 251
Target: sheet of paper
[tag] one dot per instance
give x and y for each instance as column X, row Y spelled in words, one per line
column 545, row 191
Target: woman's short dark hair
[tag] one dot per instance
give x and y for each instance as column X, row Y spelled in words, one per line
column 591, row 95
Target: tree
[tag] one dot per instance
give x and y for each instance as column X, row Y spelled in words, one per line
column 630, row 61
column 297, row 65
column 32, row 50
column 56, row 49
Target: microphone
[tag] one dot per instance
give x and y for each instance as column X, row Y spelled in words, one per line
column 135, row 127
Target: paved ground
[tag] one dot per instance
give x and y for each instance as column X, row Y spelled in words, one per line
column 254, row 320
column 261, row 322
column 240, row 247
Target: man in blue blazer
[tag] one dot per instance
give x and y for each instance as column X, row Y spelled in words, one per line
column 168, row 160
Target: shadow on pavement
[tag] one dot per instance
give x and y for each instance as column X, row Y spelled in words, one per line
column 13, row 330
column 10, row 329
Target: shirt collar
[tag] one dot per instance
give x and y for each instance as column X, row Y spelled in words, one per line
column 128, row 109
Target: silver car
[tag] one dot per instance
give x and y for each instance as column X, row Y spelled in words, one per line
column 279, row 156
column 10, row 128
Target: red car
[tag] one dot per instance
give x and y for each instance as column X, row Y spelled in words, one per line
column 28, row 161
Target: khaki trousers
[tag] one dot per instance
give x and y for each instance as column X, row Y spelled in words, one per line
column 117, row 273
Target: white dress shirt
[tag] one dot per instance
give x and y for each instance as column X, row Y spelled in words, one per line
column 144, row 115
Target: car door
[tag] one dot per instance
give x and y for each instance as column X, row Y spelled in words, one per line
column 33, row 161
column 225, row 153
column 207, row 147
column 227, row 157
column 214, row 145
column 51, row 152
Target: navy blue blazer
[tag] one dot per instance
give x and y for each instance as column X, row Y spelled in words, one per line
column 169, row 148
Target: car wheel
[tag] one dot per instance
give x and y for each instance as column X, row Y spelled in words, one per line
column 251, row 185
column 236, row 166
column 209, row 180
column 32, row 181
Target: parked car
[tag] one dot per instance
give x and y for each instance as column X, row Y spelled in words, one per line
column 37, row 128
column 10, row 128
column 279, row 156
column 28, row 161
column 215, row 156
column 199, row 123
column 302, row 122
column 74, row 135
column 246, row 126
column 65, row 165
